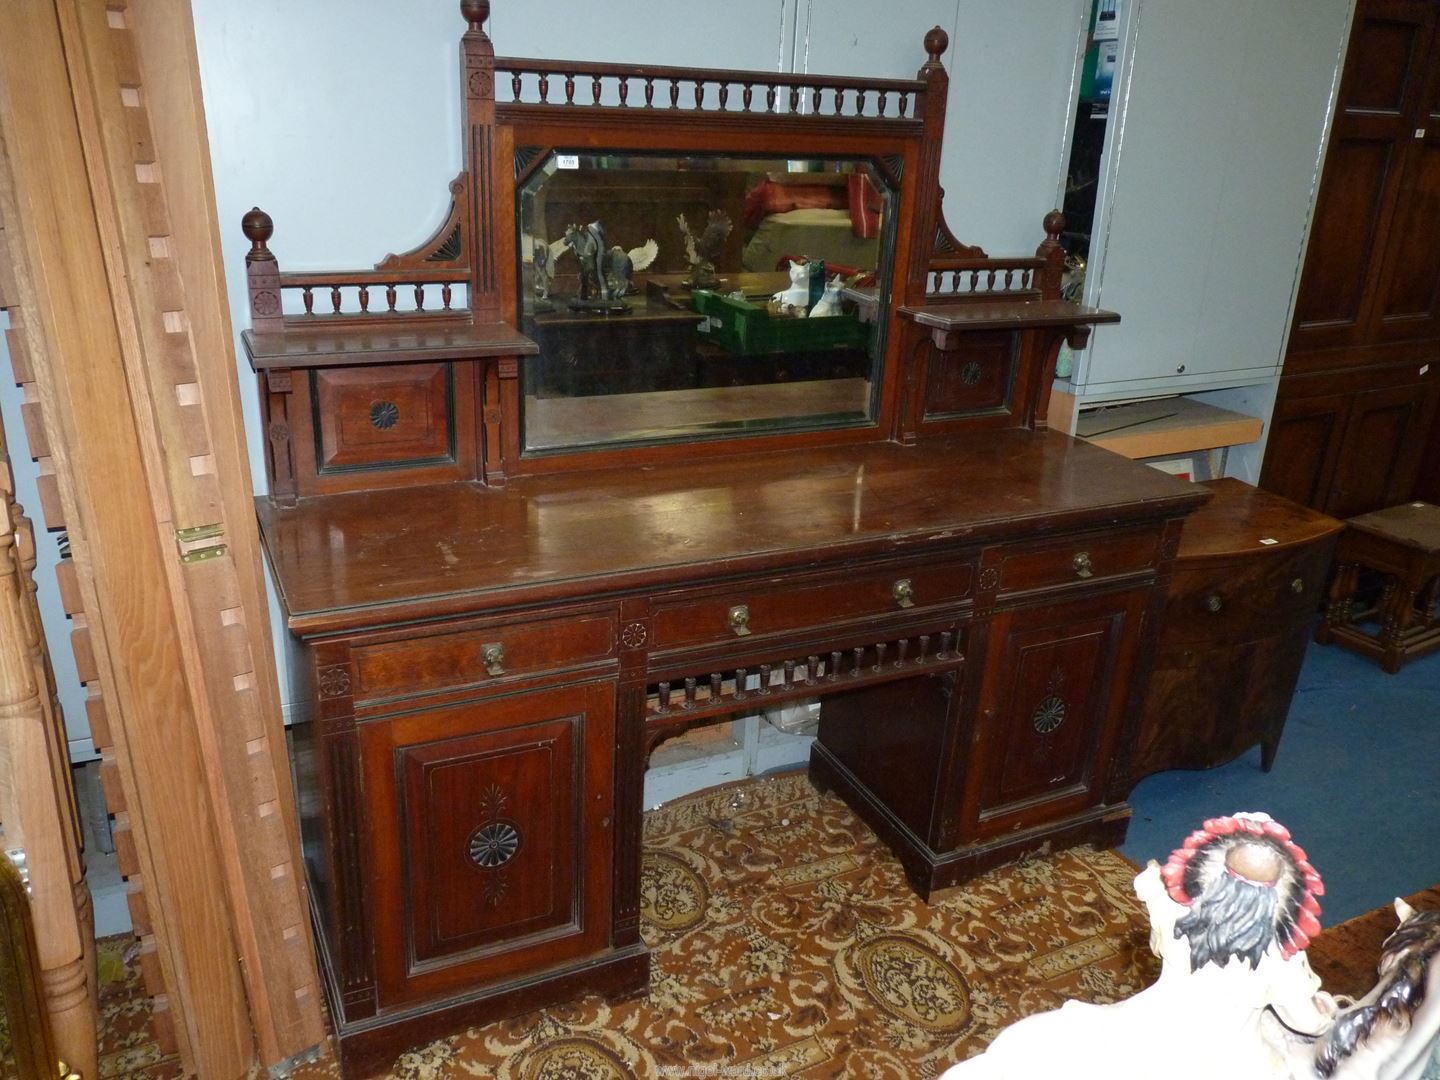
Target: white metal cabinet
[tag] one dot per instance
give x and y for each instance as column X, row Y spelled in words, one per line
column 1208, row 178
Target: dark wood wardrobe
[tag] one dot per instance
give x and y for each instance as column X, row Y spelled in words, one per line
column 1354, row 427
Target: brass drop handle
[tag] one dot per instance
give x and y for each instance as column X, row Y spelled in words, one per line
column 492, row 655
column 1214, row 604
column 904, row 592
column 739, row 618
column 1297, row 586
column 1081, row 562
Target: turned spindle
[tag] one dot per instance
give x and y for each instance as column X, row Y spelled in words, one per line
column 834, row 672
column 742, row 675
column 689, row 692
column 764, row 678
column 662, row 697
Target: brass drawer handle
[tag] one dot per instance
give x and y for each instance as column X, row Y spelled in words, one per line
column 492, row 655
column 739, row 618
column 1297, row 586
column 1214, row 604
column 904, row 592
column 1081, row 562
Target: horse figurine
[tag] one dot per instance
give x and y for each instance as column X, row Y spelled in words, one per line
column 1231, row 914
column 605, row 270
column 1392, row 1032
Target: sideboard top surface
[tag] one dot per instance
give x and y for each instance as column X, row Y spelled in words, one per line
column 1241, row 519
column 344, row 562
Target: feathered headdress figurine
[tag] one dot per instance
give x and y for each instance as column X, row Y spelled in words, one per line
column 1248, row 886
column 702, row 251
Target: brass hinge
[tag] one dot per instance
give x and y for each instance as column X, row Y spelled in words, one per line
column 192, row 545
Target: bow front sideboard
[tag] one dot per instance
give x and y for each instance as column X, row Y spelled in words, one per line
column 592, row 467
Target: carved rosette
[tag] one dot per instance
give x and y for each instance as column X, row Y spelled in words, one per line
column 970, row 373
column 384, row 415
column 495, row 841
column 634, row 635
column 494, row 844
column 334, row 681
column 1049, row 715
column 265, row 303
column 989, row 579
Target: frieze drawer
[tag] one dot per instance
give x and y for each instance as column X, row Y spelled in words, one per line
column 776, row 606
column 479, row 655
column 1248, row 599
column 1079, row 560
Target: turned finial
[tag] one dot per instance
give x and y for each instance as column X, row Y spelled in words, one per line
column 258, row 228
column 936, row 42
column 475, row 12
column 1054, row 225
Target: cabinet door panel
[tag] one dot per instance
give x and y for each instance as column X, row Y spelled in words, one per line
column 1347, row 224
column 1056, row 680
column 1381, row 449
column 1344, row 290
column 1304, row 446
column 491, row 830
column 1411, row 307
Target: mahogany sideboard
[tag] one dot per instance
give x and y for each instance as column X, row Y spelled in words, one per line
column 1241, row 605
column 490, row 669
column 511, row 576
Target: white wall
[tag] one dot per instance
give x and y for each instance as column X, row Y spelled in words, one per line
column 341, row 117
column 1010, row 67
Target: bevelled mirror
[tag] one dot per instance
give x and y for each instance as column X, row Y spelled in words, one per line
column 700, row 295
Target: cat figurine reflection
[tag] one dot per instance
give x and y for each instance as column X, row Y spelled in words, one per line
column 829, row 303
column 798, row 294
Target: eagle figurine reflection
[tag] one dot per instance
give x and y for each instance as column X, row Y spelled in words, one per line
column 702, row 251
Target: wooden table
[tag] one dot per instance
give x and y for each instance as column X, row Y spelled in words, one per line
column 1402, row 543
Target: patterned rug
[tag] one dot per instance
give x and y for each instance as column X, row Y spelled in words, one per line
column 127, row 1040
column 786, row 942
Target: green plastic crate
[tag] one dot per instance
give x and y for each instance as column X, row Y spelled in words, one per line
column 748, row 329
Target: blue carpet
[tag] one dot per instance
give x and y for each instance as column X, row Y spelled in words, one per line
column 1356, row 780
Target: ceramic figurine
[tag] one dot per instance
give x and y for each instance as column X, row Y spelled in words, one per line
column 1393, row 1032
column 797, row 296
column 702, row 251
column 605, row 271
column 1231, row 914
column 621, row 265
column 829, row 303
column 543, row 256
